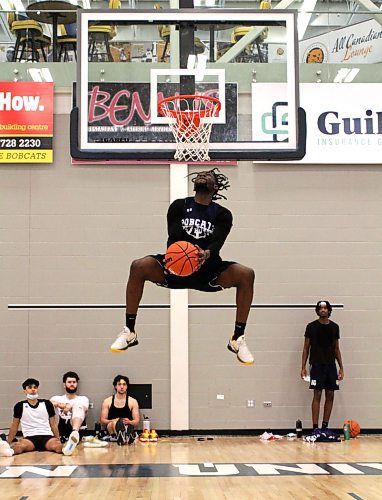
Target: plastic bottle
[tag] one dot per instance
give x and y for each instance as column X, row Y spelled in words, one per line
column 346, row 432
column 299, row 428
column 97, row 429
column 146, row 423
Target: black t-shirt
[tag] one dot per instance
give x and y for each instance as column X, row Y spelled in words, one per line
column 204, row 225
column 322, row 341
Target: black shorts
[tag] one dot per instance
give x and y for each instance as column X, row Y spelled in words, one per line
column 65, row 428
column 39, row 441
column 324, row 377
column 203, row 280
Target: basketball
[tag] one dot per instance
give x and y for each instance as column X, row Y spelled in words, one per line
column 355, row 429
column 181, row 258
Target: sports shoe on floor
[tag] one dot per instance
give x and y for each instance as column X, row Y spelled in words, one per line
column 145, row 436
column 130, row 434
column 240, row 348
column 130, row 438
column 153, row 438
column 71, row 443
column 124, row 340
column 94, row 442
column 121, row 433
column 5, row 449
column 110, row 438
column 87, row 438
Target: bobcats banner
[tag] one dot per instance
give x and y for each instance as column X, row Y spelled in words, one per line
column 344, row 120
column 26, row 122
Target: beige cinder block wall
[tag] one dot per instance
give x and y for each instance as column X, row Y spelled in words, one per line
column 69, row 233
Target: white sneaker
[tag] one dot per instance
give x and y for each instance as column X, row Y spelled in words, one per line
column 5, row 449
column 240, row 348
column 124, row 340
column 71, row 443
column 94, row 442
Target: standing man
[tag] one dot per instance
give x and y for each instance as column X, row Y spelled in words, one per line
column 201, row 221
column 322, row 346
column 38, row 424
column 71, row 411
column 120, row 412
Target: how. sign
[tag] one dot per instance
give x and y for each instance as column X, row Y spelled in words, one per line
column 26, row 122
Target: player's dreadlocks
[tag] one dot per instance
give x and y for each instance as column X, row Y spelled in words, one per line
column 221, row 180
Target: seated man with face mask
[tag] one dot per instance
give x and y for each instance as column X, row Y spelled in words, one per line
column 71, row 411
column 38, row 425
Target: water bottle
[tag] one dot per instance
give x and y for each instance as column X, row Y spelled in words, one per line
column 346, row 432
column 97, row 429
column 146, row 423
column 299, row 428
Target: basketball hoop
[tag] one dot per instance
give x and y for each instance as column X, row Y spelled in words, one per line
column 190, row 121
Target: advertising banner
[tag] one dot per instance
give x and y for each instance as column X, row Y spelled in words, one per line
column 26, row 122
column 120, row 112
column 356, row 44
column 344, row 125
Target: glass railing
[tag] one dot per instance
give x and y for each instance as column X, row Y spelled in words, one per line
column 334, row 45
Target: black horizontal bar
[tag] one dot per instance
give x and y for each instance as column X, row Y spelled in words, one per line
column 160, row 306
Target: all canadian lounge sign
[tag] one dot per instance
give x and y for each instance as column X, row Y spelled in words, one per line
column 344, row 120
column 356, row 44
column 26, row 122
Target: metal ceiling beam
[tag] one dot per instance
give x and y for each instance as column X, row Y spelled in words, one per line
column 372, row 8
column 239, row 46
column 304, row 17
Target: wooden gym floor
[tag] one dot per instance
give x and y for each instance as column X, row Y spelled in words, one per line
column 235, row 468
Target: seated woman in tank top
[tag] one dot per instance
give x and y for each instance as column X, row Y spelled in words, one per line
column 120, row 412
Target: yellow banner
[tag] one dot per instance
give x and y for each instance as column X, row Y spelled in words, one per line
column 26, row 156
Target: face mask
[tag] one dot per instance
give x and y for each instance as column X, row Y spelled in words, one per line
column 32, row 397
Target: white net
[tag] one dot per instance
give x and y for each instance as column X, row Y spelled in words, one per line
column 190, row 121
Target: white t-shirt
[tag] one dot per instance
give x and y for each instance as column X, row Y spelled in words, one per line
column 83, row 401
column 34, row 420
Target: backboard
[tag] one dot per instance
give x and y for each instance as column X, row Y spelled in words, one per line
column 130, row 59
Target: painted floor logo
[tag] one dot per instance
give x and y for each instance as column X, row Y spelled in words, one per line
column 191, row 470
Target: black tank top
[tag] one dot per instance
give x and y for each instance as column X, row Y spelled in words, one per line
column 123, row 412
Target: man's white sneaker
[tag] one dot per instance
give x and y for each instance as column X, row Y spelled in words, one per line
column 240, row 348
column 71, row 443
column 5, row 449
column 124, row 340
column 94, row 442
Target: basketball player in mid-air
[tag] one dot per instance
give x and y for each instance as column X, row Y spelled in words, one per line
column 204, row 223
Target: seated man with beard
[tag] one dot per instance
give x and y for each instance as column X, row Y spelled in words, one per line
column 71, row 411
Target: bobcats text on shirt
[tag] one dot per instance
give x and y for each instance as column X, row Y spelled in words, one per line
column 204, row 225
column 34, row 420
